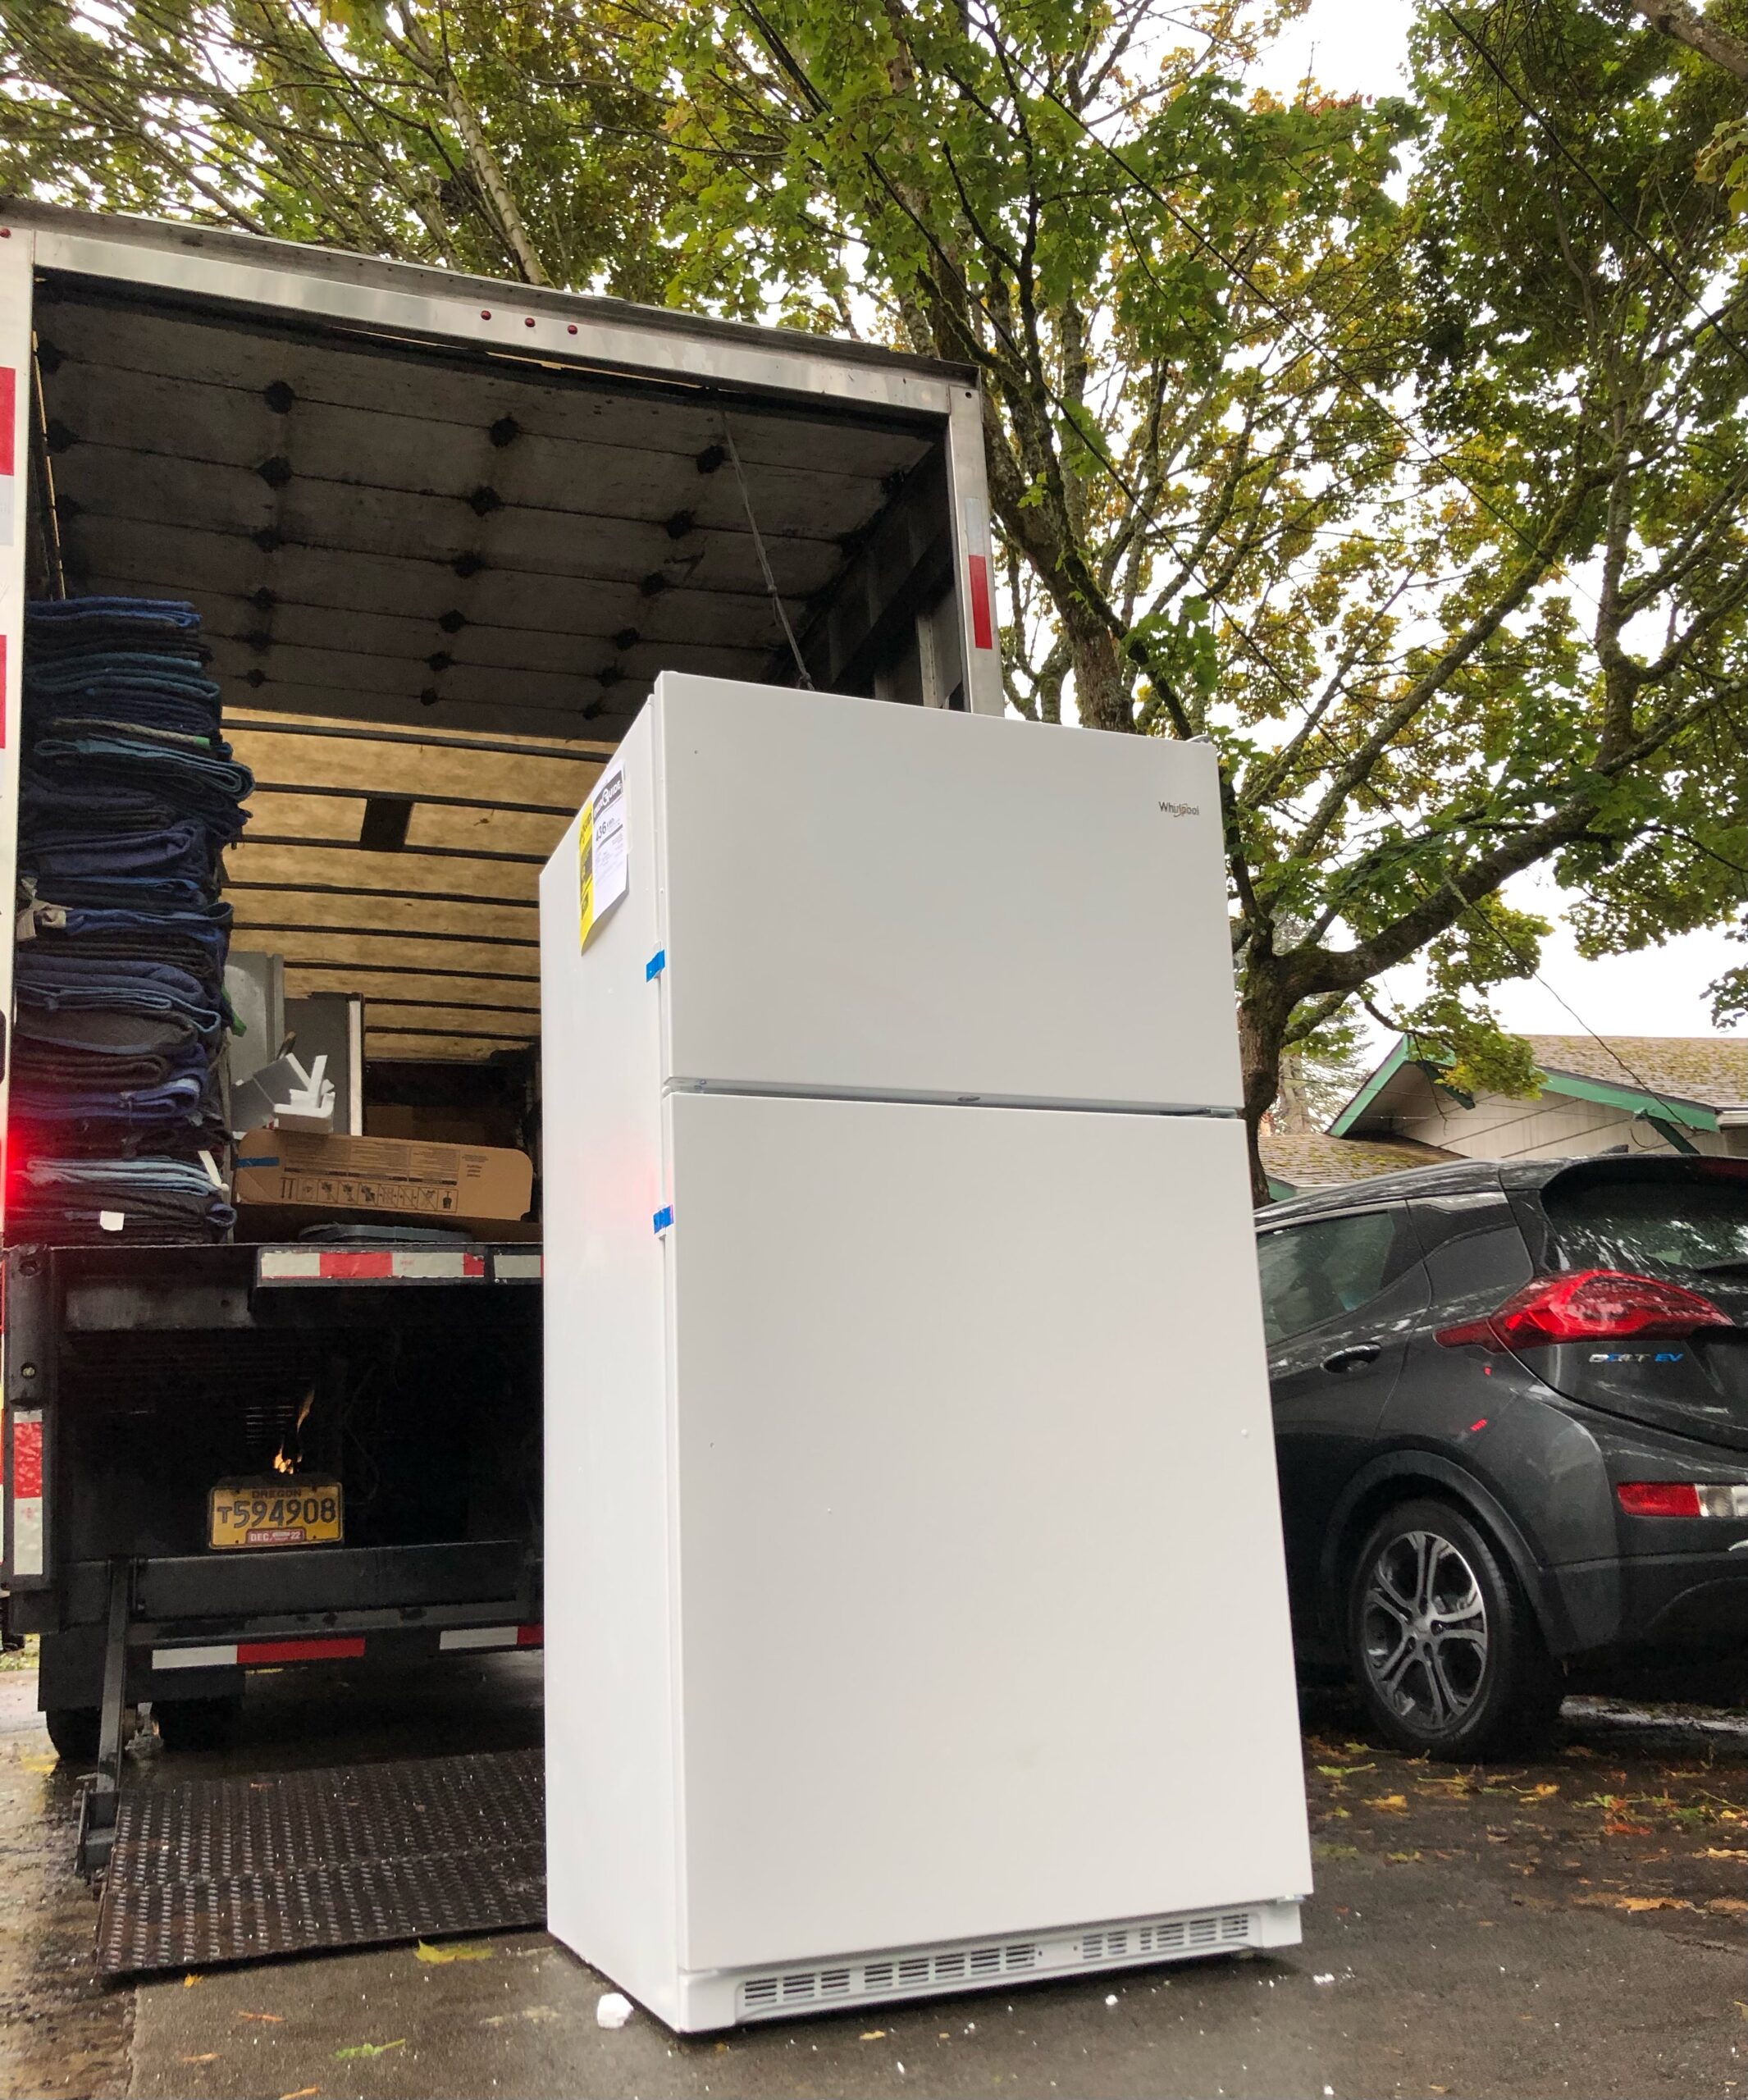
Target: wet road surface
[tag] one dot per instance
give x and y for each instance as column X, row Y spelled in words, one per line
column 1574, row 1924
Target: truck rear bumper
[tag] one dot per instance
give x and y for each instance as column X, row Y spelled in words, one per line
column 196, row 1625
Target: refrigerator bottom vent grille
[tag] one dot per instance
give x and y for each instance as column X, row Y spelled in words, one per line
column 971, row 1963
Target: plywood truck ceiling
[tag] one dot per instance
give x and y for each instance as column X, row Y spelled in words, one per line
column 488, row 551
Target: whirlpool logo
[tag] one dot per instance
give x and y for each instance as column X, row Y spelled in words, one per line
column 1181, row 809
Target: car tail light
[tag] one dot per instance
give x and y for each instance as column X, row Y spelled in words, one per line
column 1588, row 1305
column 1681, row 1497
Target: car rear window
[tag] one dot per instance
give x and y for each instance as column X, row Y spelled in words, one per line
column 1656, row 1214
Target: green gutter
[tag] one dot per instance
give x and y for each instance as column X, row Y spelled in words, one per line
column 1639, row 1099
column 1369, row 1092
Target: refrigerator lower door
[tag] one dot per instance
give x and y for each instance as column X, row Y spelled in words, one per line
column 982, row 1623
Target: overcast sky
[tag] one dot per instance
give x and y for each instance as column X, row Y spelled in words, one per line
column 1360, row 46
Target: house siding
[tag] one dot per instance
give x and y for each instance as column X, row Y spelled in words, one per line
column 1554, row 1127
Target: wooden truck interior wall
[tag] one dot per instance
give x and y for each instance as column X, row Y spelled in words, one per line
column 436, row 583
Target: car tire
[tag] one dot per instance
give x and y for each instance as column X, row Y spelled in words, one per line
column 73, row 1731
column 197, row 1723
column 1442, row 1642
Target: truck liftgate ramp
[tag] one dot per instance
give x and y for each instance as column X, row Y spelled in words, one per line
column 240, row 1869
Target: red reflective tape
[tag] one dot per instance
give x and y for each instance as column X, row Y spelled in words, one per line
column 8, row 414
column 27, row 1460
column 471, row 1265
column 983, row 626
column 531, row 1636
column 381, row 1263
column 341, row 1649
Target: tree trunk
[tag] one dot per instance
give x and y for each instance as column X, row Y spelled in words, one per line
column 1101, row 685
column 1261, row 1032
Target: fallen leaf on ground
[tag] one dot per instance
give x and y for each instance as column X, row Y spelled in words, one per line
column 1401, row 1858
column 1724, row 1852
column 1728, row 1903
column 190, row 1979
column 1388, row 1801
column 368, row 2049
column 1634, row 1902
column 1543, row 1790
column 1344, row 1771
column 210, row 2057
column 303, row 2092
column 1322, row 1851
column 875, row 2034
column 271, row 2018
column 422, row 1952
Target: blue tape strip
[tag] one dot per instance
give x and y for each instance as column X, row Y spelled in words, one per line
column 655, row 966
column 663, row 1218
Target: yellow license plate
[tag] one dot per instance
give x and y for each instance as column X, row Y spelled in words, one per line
column 302, row 1511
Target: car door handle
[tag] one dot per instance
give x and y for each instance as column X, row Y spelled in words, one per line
column 1350, row 1359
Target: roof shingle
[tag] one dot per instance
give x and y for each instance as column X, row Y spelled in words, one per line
column 1709, row 1071
column 1314, row 1160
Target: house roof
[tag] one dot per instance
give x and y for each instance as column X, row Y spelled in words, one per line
column 1314, row 1160
column 1709, row 1070
column 1681, row 1079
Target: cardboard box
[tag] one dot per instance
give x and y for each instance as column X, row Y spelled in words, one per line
column 341, row 1176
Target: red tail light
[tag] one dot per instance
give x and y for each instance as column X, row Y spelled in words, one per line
column 1588, row 1305
column 1658, row 1498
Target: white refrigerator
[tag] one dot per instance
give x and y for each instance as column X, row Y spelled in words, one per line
column 914, row 1606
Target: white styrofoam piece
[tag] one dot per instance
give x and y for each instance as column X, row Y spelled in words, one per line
column 868, row 899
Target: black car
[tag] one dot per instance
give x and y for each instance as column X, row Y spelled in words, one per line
column 1511, row 1415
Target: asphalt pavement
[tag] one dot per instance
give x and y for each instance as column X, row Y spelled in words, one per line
column 1575, row 1924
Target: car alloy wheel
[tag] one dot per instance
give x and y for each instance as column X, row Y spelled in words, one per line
column 1423, row 1632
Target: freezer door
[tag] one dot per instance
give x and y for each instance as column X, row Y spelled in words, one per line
column 867, row 899
column 983, row 1625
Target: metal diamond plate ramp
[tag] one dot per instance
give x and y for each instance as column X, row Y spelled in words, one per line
column 216, row 1870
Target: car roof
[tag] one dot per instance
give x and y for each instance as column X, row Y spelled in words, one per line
column 1463, row 1177
column 1458, row 1178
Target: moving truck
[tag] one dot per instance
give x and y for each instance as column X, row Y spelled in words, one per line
column 442, row 533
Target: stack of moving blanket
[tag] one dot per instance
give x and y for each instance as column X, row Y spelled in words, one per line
column 129, row 795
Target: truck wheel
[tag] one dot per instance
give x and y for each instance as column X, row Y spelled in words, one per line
column 73, row 1731
column 197, row 1723
column 1444, row 1645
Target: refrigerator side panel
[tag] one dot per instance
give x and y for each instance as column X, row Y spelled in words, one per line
column 985, row 1627
column 611, row 1842
column 903, row 903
